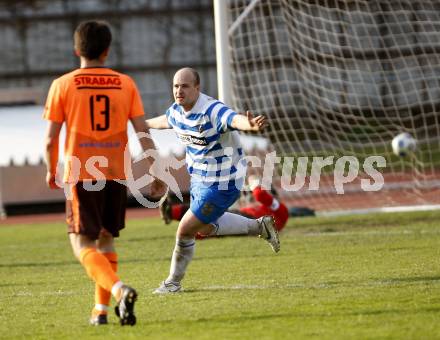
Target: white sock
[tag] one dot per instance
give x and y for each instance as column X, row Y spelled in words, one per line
column 101, row 308
column 234, row 224
column 182, row 256
column 275, row 204
column 115, row 288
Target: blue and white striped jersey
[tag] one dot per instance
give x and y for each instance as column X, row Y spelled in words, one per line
column 213, row 150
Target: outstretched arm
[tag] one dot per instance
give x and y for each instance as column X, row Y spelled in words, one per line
column 159, row 123
column 248, row 122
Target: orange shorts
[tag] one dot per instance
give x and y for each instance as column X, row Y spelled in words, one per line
column 87, row 212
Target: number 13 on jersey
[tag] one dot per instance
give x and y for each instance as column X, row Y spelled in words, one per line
column 99, row 106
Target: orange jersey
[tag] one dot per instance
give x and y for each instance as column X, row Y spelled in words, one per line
column 96, row 104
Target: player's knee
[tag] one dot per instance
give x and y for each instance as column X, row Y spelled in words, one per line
column 105, row 242
column 187, row 230
column 185, row 233
column 77, row 251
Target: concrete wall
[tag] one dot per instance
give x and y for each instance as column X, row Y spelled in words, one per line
column 152, row 39
column 26, row 184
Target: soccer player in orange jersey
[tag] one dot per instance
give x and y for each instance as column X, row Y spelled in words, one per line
column 95, row 103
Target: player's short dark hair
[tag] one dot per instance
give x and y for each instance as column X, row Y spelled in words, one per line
column 196, row 76
column 92, row 38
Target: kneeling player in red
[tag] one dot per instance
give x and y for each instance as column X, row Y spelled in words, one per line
column 266, row 204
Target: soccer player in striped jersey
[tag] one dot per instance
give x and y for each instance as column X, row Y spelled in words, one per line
column 215, row 162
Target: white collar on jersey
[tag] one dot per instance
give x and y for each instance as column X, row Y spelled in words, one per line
column 200, row 104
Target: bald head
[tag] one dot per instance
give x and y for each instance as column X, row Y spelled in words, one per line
column 186, row 87
column 188, row 72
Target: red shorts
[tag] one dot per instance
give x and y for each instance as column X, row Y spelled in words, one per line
column 87, row 212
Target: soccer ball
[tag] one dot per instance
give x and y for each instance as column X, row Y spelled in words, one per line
column 403, row 144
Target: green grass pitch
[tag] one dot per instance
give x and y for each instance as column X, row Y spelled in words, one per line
column 357, row 277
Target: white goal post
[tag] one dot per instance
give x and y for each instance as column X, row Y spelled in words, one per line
column 339, row 78
column 222, row 51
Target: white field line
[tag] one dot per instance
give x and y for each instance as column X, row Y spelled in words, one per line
column 372, row 232
column 371, row 283
column 55, row 293
column 238, row 287
column 409, row 208
column 305, row 234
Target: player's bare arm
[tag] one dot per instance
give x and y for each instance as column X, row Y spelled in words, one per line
column 248, row 122
column 158, row 123
column 140, row 126
column 52, row 145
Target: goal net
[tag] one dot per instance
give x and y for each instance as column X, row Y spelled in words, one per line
column 342, row 78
